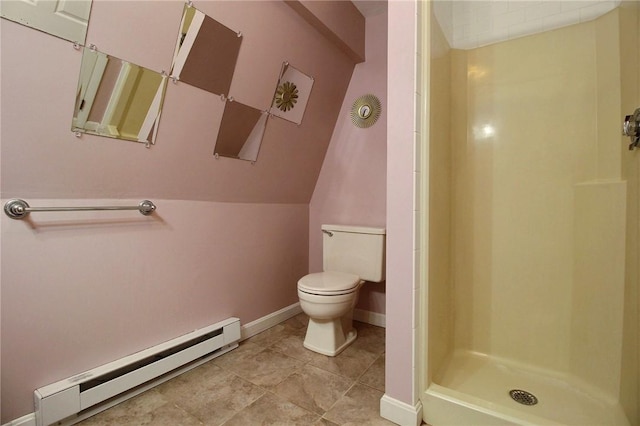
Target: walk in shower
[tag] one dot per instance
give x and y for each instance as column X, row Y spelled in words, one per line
column 530, row 302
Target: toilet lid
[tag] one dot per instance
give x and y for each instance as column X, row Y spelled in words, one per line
column 329, row 283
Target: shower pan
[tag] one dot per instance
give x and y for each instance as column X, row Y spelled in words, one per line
column 529, row 308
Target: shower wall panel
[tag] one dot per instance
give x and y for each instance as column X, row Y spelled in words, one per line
column 629, row 38
column 440, row 315
column 514, row 172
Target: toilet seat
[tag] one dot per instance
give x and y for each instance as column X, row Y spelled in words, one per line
column 329, row 283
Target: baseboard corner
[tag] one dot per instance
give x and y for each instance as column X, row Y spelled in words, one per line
column 369, row 317
column 26, row 420
column 400, row 412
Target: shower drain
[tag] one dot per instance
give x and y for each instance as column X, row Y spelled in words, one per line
column 523, row 397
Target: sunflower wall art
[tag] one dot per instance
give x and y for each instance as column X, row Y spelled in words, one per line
column 291, row 94
column 286, row 96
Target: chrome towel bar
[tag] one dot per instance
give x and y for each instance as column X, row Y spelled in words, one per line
column 19, row 209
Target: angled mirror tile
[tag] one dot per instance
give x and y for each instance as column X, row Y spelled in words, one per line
column 206, row 52
column 241, row 131
column 291, row 94
column 118, row 99
column 61, row 18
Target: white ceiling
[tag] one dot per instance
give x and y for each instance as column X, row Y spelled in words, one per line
column 469, row 24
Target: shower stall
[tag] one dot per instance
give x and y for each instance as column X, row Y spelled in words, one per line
column 530, row 296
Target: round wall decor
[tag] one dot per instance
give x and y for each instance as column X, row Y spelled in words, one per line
column 365, row 111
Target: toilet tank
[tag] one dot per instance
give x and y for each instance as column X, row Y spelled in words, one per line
column 354, row 249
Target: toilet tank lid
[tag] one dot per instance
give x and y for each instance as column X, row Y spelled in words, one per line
column 354, row 229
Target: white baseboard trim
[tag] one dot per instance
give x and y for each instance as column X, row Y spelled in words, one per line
column 400, row 412
column 28, row 420
column 268, row 321
column 368, row 317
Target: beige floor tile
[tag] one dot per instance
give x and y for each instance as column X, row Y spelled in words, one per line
column 245, row 351
column 324, row 422
column 360, row 406
column 267, row 368
column 370, row 337
column 293, row 347
column 271, row 336
column 313, row 388
column 299, row 321
column 374, row 376
column 148, row 408
column 295, row 326
column 210, row 394
column 271, row 410
column 351, row 362
column 168, row 415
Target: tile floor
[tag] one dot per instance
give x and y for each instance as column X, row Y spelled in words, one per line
column 270, row 379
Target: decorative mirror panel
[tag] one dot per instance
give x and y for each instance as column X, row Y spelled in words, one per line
column 292, row 94
column 60, row 18
column 118, row 99
column 241, row 131
column 206, row 52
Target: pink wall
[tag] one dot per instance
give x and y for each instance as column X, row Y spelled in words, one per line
column 402, row 205
column 339, row 21
column 351, row 188
column 82, row 289
column 44, row 72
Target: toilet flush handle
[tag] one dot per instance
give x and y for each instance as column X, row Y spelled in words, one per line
column 329, row 233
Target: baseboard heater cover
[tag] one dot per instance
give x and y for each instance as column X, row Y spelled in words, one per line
column 71, row 396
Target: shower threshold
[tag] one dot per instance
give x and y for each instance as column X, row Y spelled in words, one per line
column 474, row 389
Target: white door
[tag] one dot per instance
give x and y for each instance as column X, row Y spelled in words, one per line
column 91, row 72
column 67, row 19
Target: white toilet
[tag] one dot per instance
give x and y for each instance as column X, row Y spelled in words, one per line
column 351, row 255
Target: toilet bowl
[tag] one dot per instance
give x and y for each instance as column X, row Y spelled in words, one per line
column 351, row 255
column 328, row 298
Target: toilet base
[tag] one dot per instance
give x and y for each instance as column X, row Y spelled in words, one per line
column 327, row 336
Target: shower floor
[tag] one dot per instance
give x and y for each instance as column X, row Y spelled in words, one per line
column 482, row 383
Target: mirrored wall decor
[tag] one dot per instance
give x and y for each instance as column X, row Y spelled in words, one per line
column 241, row 131
column 291, row 94
column 118, row 99
column 61, row 18
column 206, row 52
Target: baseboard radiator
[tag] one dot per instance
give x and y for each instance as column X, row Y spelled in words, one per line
column 76, row 398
